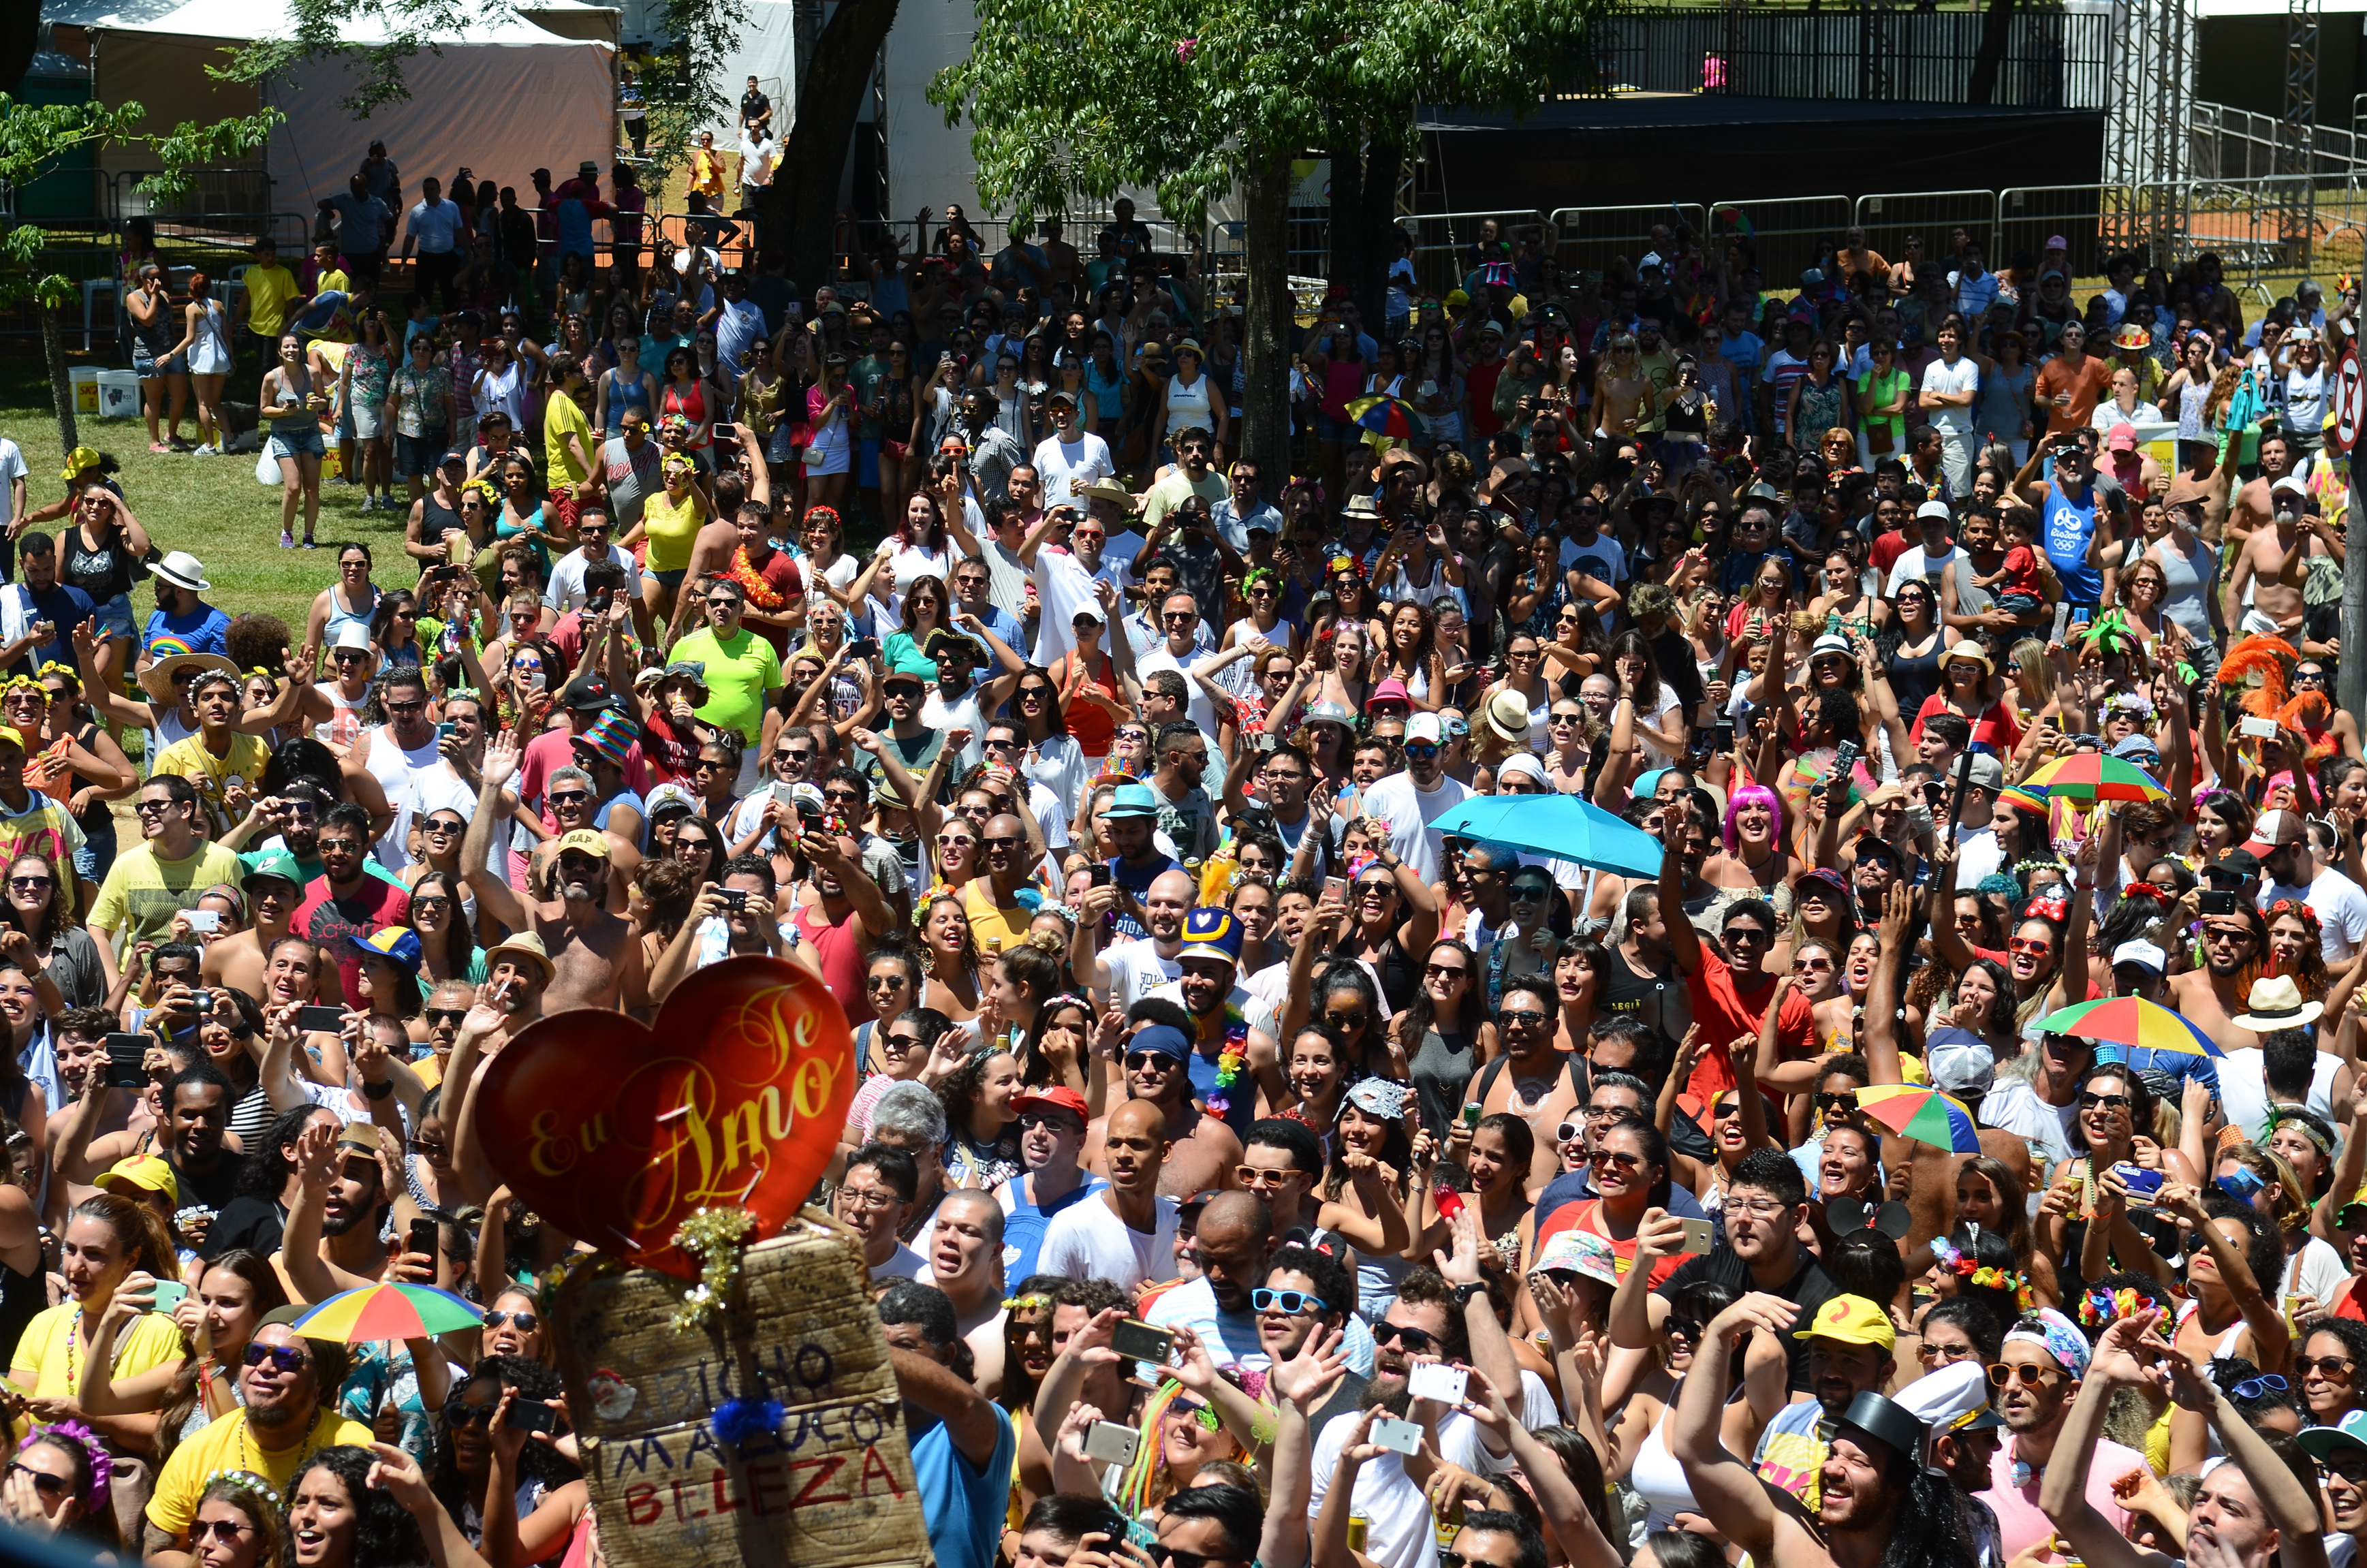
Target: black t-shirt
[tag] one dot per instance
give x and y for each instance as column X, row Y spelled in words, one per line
column 1645, row 998
column 1674, row 654
column 212, row 1189
column 253, row 1223
column 1809, row 1290
column 753, row 104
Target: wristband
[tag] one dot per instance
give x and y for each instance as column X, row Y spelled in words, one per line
column 378, row 1091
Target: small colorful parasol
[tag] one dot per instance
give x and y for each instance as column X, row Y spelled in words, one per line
column 1389, row 417
column 2096, row 776
column 2131, row 1021
column 1925, row 1114
column 389, row 1311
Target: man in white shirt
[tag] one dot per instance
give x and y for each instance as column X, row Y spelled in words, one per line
column 1411, row 801
column 1071, row 457
column 873, row 1198
column 1126, row 1233
column 565, row 591
column 1978, row 853
column 1950, row 384
column 757, row 152
column 1932, row 558
column 2283, row 843
column 1181, row 647
column 432, row 233
column 406, row 756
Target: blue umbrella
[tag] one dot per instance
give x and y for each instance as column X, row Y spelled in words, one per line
column 1563, row 827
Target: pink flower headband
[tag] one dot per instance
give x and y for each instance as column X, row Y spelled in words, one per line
column 102, row 1466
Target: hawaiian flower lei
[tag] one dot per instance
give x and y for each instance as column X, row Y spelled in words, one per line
column 1999, row 1279
column 2099, row 1306
column 1230, row 1059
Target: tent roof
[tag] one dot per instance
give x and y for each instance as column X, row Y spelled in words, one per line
column 495, row 25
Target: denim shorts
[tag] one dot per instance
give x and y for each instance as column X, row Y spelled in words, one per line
column 415, row 457
column 114, row 615
column 148, row 368
column 302, row 440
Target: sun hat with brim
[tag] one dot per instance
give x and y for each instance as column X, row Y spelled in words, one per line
column 1132, row 801
column 2276, row 1003
column 1574, row 1251
column 1330, row 713
column 183, row 571
column 2132, row 335
column 1112, row 492
column 1389, row 691
column 396, row 944
column 691, row 671
column 1506, row 716
column 526, row 945
column 157, row 679
column 1967, row 649
column 143, row 1173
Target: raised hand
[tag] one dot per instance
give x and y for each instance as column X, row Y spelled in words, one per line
column 1321, row 1357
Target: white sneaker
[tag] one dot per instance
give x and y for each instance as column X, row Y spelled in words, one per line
column 207, row 452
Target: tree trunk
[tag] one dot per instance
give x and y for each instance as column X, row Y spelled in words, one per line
column 53, row 349
column 1996, row 30
column 1347, row 225
column 1376, row 220
column 799, row 212
column 1270, row 333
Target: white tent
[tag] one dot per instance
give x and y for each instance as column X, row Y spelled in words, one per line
column 503, row 99
column 768, row 52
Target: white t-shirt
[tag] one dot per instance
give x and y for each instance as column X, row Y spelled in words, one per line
column 415, row 781
column 12, row 469
column 1964, row 376
column 1088, row 1241
column 566, row 588
column 1400, row 1533
column 2322, row 1274
column 1410, row 812
column 1917, row 563
column 1064, row 467
column 960, row 713
column 2340, row 906
column 2244, row 1087
column 2014, row 1106
column 903, row 1263
column 1136, row 971
column 1199, row 710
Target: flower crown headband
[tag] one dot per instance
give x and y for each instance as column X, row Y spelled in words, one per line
column 102, row 1463
column 2099, row 1306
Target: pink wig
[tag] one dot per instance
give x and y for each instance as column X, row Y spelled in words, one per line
column 1748, row 795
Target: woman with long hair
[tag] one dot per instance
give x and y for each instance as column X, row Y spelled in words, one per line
column 113, row 1254
column 1315, row 1072
column 394, row 632
column 57, row 1486
column 949, row 953
column 925, row 609
column 1495, row 1156
column 1660, row 720
column 919, row 549
column 1409, row 656
column 74, row 760
column 2223, row 822
column 1026, row 977
column 239, row 1524
column 161, row 374
column 1754, row 863
column 1367, row 1192
column 1911, row 644
column 982, row 1136
column 441, row 910
column 829, row 415
column 39, row 903
column 205, row 348
column 1971, row 688
column 366, row 376
column 1817, row 401
column 1445, row 1032
column 1060, row 1045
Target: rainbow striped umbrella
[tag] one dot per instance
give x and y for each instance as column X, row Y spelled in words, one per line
column 1390, row 417
column 2131, row 1021
column 2096, row 776
column 1926, row 1115
column 389, row 1311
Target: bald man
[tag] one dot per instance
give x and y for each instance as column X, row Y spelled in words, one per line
column 1233, row 1240
column 1125, row 1233
column 1130, row 970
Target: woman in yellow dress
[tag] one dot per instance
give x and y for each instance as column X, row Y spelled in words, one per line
column 669, row 522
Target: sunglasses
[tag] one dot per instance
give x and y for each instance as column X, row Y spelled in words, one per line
column 1416, row 1341
column 1290, row 1302
column 524, row 1322
column 2027, row 945
column 283, row 1358
column 1138, row 1059
column 2105, row 1102
column 2324, row 1366
column 2003, row 1375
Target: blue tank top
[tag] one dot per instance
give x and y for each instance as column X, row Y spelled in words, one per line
column 2068, row 527
column 623, row 395
column 340, row 618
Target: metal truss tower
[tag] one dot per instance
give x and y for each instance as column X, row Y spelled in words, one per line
column 2148, row 157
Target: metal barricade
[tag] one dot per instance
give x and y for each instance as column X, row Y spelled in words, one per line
column 1786, row 232
column 2029, row 216
column 2254, row 226
column 1439, row 237
column 1592, row 237
column 1894, row 218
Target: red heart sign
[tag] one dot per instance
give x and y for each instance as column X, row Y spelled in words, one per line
column 617, row 1132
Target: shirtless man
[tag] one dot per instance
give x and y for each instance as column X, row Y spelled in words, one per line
column 1535, row 1085
column 1202, row 1151
column 275, row 888
column 2253, row 508
column 2276, row 609
column 1623, row 392
column 596, row 957
column 2213, row 995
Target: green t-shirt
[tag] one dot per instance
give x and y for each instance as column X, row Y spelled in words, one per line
column 739, row 678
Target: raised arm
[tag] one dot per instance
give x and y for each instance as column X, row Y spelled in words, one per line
column 495, row 895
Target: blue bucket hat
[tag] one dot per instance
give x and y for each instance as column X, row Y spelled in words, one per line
column 1132, row 801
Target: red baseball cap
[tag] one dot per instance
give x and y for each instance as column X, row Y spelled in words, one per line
column 1058, row 1097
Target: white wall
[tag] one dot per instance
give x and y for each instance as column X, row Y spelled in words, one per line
column 928, row 163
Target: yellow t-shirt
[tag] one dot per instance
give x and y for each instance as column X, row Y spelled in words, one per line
column 142, row 893
column 673, row 530
column 153, row 1341
column 269, row 290
column 562, row 417
column 193, row 760
column 995, row 930
column 226, row 1444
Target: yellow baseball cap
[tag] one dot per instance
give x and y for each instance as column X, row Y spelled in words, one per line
column 1853, row 1319
column 143, row 1173
column 586, row 839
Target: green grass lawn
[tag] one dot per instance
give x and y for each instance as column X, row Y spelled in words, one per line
column 210, row 507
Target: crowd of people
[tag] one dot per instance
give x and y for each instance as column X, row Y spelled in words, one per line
column 1249, row 1170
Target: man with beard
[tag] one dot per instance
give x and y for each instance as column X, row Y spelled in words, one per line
column 1199, row 1151
column 872, row 1200
column 275, row 892
column 596, row 956
column 1132, row 969
column 93, row 1115
column 1126, row 1233
column 1052, row 1124
column 1224, row 1017
column 331, row 1242
column 2260, row 1506
column 2213, row 997
column 1849, row 1345
column 1233, row 1238
column 346, row 901
column 1872, row 1487
column 1411, row 801
column 2042, row 1362
column 287, row 1391
column 406, row 756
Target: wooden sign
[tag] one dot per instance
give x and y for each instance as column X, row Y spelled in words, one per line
column 617, row 1133
column 832, row 1487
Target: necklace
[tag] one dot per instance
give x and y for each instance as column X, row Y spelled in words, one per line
column 255, row 1466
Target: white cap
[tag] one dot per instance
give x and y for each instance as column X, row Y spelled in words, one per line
column 1426, row 727
column 2146, row 954
column 1961, row 1064
column 1651, row 259
column 354, row 639
column 2292, row 483
column 1936, row 509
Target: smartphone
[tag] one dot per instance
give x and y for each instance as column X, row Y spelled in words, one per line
column 1260, row 743
column 1112, row 1443
column 125, row 1052
column 321, row 1020
column 1398, row 1437
column 444, row 731
column 204, row 920
column 1336, row 888
column 423, row 1239
column 170, row 1293
column 2079, row 617
column 201, row 1002
column 1436, row 1380
column 2260, row 729
column 1722, row 736
column 863, row 648
column 2062, row 620
column 2218, row 901
column 531, row 1416
column 1139, row 1341
column 1097, row 875
column 1845, row 757
column 1699, row 1235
